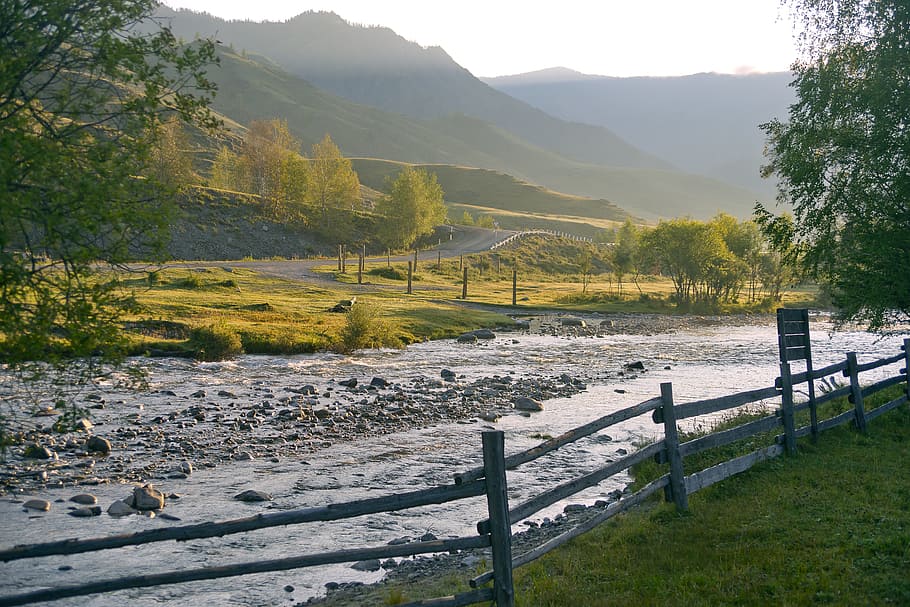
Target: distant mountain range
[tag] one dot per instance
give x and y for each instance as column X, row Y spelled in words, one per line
column 381, row 96
column 703, row 123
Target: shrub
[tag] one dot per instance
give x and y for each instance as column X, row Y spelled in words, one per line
column 215, row 342
column 390, row 273
column 363, row 328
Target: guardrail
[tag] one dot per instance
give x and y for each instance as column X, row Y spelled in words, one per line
column 490, row 480
column 553, row 233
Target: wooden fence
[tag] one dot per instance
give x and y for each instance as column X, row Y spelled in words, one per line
column 490, row 480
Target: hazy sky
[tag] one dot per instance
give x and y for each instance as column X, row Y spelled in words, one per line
column 606, row 37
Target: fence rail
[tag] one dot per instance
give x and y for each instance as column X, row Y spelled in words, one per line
column 490, row 480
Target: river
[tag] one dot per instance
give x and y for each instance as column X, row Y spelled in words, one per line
column 701, row 359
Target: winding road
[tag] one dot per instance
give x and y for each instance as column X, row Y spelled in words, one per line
column 463, row 240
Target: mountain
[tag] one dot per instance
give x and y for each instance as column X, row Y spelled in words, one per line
column 252, row 88
column 703, row 123
column 375, row 66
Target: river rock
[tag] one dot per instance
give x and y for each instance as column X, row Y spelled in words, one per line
column 466, row 338
column 379, row 382
column 573, row 322
column 120, row 508
column 146, row 498
column 489, row 416
column 85, row 511
column 252, row 495
column 86, row 499
column 36, row 504
column 636, row 366
column 36, row 451
column 367, row 565
column 348, row 383
column 484, row 334
column 447, row 374
column 523, row 403
column 83, row 425
column 97, row 444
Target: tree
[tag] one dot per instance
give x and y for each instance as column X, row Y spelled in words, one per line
column 585, row 261
column 843, row 157
column 84, row 86
column 625, row 253
column 412, row 208
column 170, row 162
column 333, row 185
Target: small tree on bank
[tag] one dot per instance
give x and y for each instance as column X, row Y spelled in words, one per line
column 412, row 208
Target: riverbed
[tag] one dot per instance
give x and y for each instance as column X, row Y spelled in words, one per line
column 227, row 422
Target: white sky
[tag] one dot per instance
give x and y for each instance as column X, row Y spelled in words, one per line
column 605, row 37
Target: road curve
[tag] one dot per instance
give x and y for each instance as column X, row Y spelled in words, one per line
column 453, row 241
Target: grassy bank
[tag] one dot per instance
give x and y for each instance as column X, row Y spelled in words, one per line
column 275, row 316
column 829, row 526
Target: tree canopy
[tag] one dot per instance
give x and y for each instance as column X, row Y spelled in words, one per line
column 84, row 88
column 412, row 208
column 843, row 157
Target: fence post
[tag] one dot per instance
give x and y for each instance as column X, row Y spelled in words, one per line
column 340, row 253
column 494, row 471
column 856, row 392
column 464, row 283
column 786, row 408
column 360, row 270
column 514, row 287
column 410, row 274
column 671, row 440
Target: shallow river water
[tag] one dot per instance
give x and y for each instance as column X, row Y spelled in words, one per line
column 700, row 359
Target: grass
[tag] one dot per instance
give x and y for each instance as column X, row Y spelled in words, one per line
column 830, row 526
column 274, row 316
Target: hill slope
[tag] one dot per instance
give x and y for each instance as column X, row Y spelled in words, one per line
column 375, row 66
column 703, row 123
column 251, row 88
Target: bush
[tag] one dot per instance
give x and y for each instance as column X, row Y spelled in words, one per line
column 390, row 273
column 363, row 328
column 215, row 342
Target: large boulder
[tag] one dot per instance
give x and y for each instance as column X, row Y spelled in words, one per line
column 145, row 498
column 97, row 444
column 523, row 403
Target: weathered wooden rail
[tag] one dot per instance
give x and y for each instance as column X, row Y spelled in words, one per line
column 490, row 480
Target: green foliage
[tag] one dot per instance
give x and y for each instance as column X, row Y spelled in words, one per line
column 215, row 342
column 83, row 91
column 412, row 208
column 333, row 189
column 364, row 328
column 389, row 273
column 710, row 263
column 842, row 157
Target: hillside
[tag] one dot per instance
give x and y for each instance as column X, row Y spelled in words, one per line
column 703, row 123
column 374, row 66
column 514, row 204
column 252, row 88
